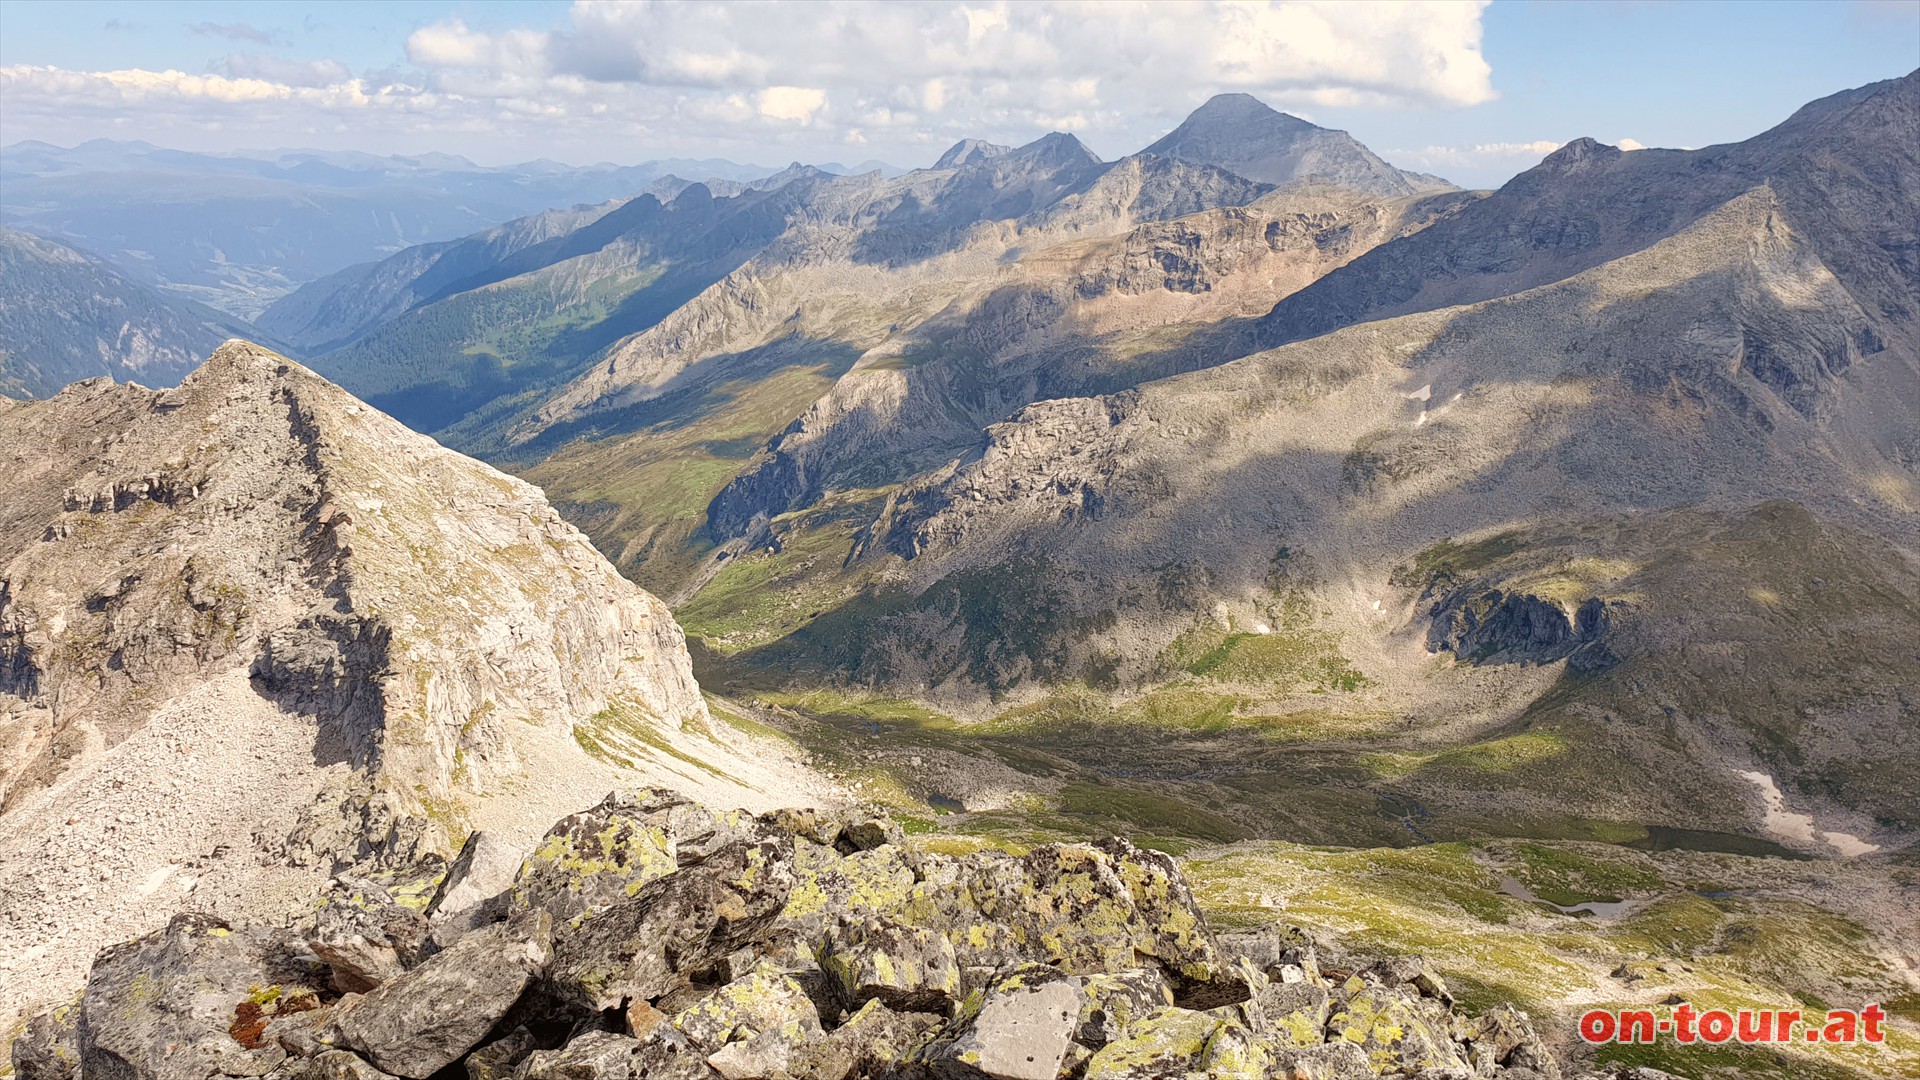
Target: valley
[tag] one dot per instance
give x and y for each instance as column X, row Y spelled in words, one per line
column 1525, row 579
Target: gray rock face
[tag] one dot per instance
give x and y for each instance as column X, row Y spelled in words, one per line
column 419, row 1023
column 416, row 599
column 190, row 1001
column 1498, row 627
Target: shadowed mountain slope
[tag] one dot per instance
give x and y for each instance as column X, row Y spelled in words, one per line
column 67, row 316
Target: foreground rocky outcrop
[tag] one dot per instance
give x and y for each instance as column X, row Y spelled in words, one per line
column 651, row 937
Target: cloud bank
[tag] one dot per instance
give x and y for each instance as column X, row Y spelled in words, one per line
column 896, row 80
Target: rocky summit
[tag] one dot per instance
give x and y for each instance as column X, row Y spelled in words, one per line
column 651, row 937
column 252, row 630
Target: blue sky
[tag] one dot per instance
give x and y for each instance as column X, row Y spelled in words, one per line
column 1474, row 92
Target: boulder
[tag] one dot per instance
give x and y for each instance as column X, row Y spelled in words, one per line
column 1023, row 1030
column 364, row 936
column 426, row 1019
column 335, row 1065
column 1112, row 1001
column 1171, row 1042
column 498, row 1059
column 598, row 857
column 763, row 1002
column 605, row 1055
column 1395, row 1032
column 1328, row 1061
column 191, row 1001
column 867, row 1042
column 908, row 968
column 864, row 832
column 1289, row 1015
column 676, row 926
column 473, row 893
column 1505, row 1037
column 49, row 1047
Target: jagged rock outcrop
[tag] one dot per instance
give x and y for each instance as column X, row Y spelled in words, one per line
column 1499, row 627
column 1068, row 961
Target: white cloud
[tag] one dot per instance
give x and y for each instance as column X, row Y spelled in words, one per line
column 796, row 103
column 1632, row 144
column 755, row 79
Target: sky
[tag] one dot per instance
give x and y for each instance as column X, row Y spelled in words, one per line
column 1473, row 91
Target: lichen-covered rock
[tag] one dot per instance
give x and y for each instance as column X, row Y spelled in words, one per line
column 866, row 1043
column 364, row 936
column 863, row 832
column 762, row 1056
column 596, row 858
column 1328, row 1061
column 1413, row 971
column 1171, row 1042
column 1236, row 1053
column 1176, row 930
column 860, row 886
column 49, row 1048
column 604, row 1055
column 1289, row 1015
column 675, row 926
column 1395, row 1032
column 762, row 1002
column 909, row 968
column 1022, row 1030
column 190, row 1001
column 428, row 1018
column 1112, row 1001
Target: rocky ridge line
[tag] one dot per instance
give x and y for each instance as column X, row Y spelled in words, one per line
column 651, row 937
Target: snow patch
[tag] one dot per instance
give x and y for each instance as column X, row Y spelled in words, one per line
column 1783, row 824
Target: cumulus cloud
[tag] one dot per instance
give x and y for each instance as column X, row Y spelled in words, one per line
column 903, row 79
column 1632, row 144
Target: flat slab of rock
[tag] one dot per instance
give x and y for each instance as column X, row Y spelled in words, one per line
column 1021, row 1033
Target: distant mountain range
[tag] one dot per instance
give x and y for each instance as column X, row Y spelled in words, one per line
column 237, row 230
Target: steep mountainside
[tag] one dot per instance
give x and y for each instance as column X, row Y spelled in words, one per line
column 1627, row 483
column 67, row 316
column 1240, row 133
column 1841, row 166
column 253, row 613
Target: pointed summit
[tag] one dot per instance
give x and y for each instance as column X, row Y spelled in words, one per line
column 1242, row 134
column 968, row 151
column 1054, row 149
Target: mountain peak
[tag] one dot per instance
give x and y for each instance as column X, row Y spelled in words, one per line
column 969, row 151
column 1241, row 108
column 1246, row 136
column 1057, row 147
